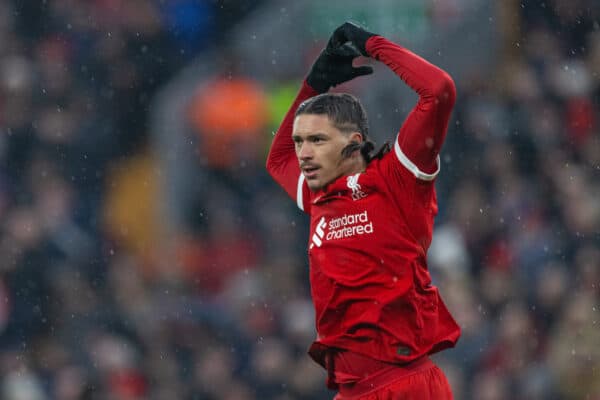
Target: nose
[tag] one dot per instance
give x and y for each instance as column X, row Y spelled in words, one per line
column 305, row 151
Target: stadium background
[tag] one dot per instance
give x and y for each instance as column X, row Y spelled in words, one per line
column 145, row 253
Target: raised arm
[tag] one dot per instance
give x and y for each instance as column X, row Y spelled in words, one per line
column 332, row 67
column 282, row 163
column 421, row 136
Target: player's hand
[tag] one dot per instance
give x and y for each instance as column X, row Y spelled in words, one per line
column 351, row 32
column 334, row 66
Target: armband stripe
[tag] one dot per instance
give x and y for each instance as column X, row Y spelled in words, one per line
column 412, row 167
column 299, row 199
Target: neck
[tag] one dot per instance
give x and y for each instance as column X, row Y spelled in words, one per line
column 356, row 164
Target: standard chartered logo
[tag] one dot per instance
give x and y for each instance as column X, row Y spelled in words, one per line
column 349, row 225
column 342, row 227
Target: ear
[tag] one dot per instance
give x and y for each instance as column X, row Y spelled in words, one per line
column 356, row 137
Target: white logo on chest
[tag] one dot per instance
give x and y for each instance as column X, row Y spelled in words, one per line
column 352, row 183
column 342, row 227
column 317, row 237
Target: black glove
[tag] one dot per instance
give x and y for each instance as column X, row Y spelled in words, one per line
column 334, row 66
column 351, row 32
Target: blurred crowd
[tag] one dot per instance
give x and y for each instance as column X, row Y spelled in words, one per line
column 110, row 289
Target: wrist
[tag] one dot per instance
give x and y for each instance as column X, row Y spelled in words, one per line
column 316, row 84
column 369, row 45
column 308, row 90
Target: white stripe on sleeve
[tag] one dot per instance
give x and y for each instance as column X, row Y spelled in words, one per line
column 412, row 167
column 299, row 199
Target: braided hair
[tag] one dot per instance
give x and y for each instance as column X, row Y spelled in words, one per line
column 347, row 114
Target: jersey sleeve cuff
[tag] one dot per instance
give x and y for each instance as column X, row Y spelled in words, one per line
column 369, row 44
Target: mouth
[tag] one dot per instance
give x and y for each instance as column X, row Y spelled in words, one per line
column 310, row 171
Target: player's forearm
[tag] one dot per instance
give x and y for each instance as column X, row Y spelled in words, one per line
column 281, row 162
column 424, row 131
column 429, row 81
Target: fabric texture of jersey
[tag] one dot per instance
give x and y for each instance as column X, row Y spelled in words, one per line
column 369, row 232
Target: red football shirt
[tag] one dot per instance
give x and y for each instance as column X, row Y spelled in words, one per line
column 369, row 232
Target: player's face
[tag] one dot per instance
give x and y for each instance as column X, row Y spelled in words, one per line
column 319, row 147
